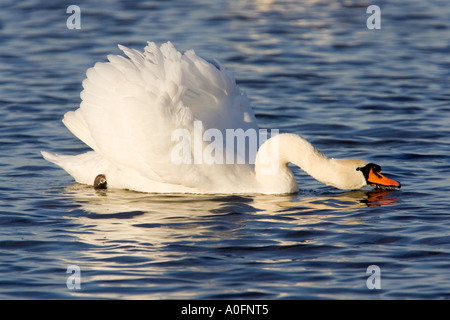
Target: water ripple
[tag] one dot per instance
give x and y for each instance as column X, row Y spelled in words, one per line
column 312, row 69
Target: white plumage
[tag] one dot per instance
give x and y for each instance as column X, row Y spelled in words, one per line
column 132, row 106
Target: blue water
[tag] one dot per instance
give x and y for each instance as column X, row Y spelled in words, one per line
column 311, row 68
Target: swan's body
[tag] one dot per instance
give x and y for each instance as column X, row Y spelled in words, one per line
column 132, row 107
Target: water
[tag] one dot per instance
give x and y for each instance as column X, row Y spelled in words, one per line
column 313, row 69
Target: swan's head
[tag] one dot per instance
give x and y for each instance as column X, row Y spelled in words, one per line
column 373, row 177
column 356, row 174
column 346, row 174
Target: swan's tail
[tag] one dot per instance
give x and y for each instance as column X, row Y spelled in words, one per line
column 83, row 167
column 50, row 157
column 63, row 161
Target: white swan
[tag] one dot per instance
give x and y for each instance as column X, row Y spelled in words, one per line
column 131, row 108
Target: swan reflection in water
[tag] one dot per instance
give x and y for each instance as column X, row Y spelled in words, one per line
column 140, row 236
column 123, row 203
column 154, row 222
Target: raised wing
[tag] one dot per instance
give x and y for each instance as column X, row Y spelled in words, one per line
column 132, row 106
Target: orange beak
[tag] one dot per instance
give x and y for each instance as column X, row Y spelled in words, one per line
column 377, row 179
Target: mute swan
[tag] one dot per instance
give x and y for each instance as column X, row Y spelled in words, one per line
column 135, row 110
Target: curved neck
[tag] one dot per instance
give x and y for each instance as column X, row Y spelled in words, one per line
column 274, row 155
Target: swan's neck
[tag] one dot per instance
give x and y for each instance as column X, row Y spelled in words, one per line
column 271, row 166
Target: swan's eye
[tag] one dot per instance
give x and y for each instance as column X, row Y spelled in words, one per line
column 375, row 167
column 367, row 167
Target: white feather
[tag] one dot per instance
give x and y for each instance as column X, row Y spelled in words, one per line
column 131, row 107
